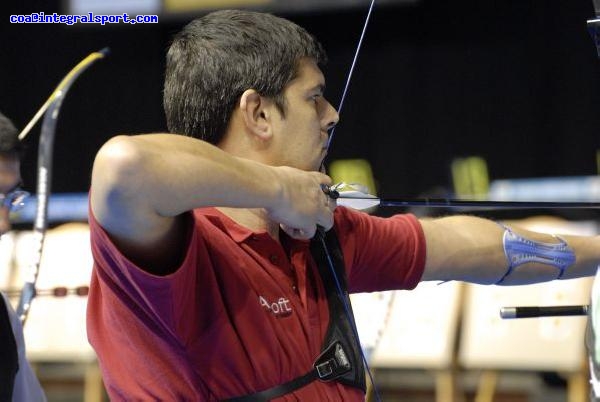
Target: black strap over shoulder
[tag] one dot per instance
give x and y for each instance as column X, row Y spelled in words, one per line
column 340, row 359
column 9, row 358
column 341, row 329
column 277, row 391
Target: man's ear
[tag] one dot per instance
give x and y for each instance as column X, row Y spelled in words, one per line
column 256, row 113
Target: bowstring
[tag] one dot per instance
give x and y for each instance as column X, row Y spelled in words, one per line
column 351, row 72
column 322, row 237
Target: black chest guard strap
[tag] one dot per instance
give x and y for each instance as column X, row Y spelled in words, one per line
column 9, row 359
column 341, row 330
column 340, row 359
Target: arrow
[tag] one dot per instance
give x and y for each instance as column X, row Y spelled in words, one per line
column 354, row 196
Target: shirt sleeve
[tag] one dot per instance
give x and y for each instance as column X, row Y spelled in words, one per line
column 381, row 253
column 159, row 301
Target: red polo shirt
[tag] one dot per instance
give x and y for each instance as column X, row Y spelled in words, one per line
column 243, row 312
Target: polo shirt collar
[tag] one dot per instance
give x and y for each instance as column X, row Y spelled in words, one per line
column 237, row 232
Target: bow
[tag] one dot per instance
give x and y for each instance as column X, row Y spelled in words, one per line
column 50, row 110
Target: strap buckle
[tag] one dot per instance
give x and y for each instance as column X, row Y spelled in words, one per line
column 332, row 363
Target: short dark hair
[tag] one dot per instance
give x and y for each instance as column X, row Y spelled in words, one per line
column 214, row 59
column 9, row 139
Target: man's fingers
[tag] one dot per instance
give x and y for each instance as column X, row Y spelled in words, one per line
column 326, row 219
column 305, row 203
column 332, row 205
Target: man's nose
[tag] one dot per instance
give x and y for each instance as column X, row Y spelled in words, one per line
column 331, row 117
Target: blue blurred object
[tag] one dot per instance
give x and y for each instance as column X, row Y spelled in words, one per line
column 62, row 207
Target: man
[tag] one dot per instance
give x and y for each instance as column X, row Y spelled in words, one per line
column 205, row 286
column 18, row 382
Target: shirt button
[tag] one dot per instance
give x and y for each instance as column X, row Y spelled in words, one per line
column 274, row 259
column 294, row 288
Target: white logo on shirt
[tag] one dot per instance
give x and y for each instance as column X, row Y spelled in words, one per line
column 279, row 308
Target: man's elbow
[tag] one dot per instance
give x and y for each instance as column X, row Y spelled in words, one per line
column 116, row 172
column 117, row 162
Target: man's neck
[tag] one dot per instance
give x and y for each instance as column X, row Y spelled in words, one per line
column 254, row 219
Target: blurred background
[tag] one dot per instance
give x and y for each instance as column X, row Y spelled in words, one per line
column 514, row 84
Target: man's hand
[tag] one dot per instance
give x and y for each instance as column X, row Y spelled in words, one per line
column 302, row 204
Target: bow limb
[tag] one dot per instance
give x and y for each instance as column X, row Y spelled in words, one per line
column 63, row 87
column 50, row 109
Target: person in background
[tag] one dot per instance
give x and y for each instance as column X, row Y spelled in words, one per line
column 17, row 379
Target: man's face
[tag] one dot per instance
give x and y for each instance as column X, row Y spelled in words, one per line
column 10, row 178
column 301, row 136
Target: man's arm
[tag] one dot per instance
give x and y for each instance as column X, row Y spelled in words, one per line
column 141, row 186
column 470, row 249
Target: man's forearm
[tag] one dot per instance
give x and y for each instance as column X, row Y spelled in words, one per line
column 141, row 183
column 172, row 174
column 471, row 249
